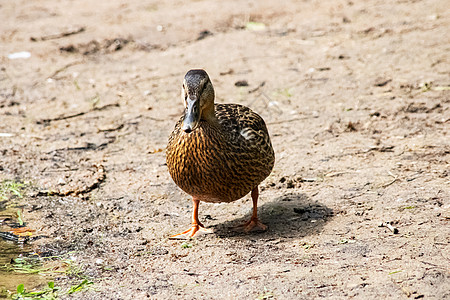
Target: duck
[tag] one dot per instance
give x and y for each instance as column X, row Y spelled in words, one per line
column 217, row 152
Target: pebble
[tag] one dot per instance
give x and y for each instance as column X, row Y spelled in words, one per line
column 17, row 55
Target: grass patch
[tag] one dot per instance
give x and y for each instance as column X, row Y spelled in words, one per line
column 10, row 189
column 346, row 241
column 409, row 207
column 49, row 266
column 26, row 265
column 285, row 93
column 266, row 295
column 186, row 245
column 51, row 292
column 306, row 245
column 79, row 287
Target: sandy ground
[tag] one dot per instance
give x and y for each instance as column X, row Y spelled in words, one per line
column 356, row 98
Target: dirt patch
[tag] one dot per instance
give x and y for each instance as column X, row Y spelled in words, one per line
column 355, row 96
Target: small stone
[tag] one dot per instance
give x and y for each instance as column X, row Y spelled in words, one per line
column 380, row 81
column 241, row 83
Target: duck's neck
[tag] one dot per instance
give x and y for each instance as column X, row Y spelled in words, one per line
column 209, row 115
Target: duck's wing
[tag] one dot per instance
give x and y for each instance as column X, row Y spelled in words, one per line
column 246, row 126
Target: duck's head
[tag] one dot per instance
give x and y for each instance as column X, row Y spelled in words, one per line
column 198, row 98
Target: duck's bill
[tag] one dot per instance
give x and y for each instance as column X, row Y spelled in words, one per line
column 192, row 115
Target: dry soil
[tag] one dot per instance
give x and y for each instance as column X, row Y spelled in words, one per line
column 355, row 95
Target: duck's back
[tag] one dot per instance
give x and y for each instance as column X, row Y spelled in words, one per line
column 224, row 162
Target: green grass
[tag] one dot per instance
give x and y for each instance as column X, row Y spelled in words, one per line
column 266, row 295
column 45, row 266
column 409, row 207
column 51, row 292
column 285, row 93
column 79, row 287
column 75, row 270
column 186, row 245
column 26, row 265
column 306, row 245
column 37, row 265
column 10, row 189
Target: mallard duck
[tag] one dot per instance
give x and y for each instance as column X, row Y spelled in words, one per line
column 217, row 152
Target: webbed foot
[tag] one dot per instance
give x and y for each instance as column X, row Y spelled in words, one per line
column 195, row 230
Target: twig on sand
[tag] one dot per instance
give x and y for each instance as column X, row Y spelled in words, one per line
column 381, row 149
column 257, row 88
column 65, row 67
column 43, row 121
column 289, row 120
column 58, row 35
column 392, row 181
column 65, row 117
column 389, row 226
column 99, row 176
column 111, row 128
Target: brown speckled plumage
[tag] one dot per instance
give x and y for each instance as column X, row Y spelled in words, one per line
column 226, row 154
column 215, row 162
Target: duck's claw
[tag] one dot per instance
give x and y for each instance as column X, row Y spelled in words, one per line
column 250, row 225
column 195, row 230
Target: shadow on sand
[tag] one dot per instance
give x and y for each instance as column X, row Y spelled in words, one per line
column 292, row 215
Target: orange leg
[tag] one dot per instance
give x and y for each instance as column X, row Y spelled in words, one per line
column 196, row 225
column 254, row 222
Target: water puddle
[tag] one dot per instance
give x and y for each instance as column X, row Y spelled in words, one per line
column 9, row 278
column 18, row 263
column 27, row 267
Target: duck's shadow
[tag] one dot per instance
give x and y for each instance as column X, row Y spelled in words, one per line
column 292, row 215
